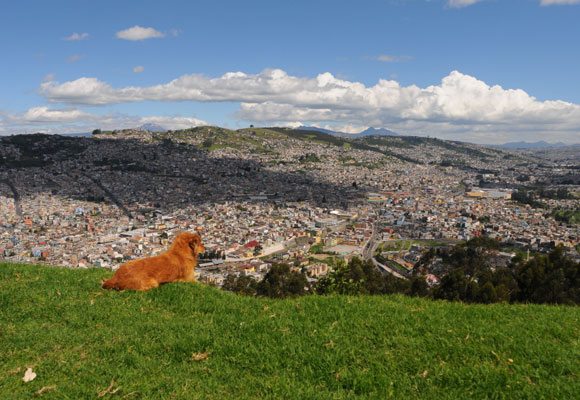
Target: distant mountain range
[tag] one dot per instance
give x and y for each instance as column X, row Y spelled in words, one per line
column 530, row 145
column 367, row 132
column 151, row 127
column 374, row 132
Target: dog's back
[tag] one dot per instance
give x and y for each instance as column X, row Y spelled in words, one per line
column 142, row 274
column 176, row 264
column 131, row 276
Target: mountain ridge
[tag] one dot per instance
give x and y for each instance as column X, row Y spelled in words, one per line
column 531, row 145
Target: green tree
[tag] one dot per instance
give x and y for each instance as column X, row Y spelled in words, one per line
column 343, row 279
column 552, row 278
column 487, row 294
column 419, row 286
column 242, row 284
column 453, row 286
column 281, row 281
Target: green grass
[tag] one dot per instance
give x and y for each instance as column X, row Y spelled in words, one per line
column 79, row 338
column 436, row 243
column 397, row 267
column 394, row 245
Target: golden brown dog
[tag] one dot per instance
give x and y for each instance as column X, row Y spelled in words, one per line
column 175, row 265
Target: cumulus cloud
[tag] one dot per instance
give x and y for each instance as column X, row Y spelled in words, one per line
column 341, row 128
column 138, row 68
column 461, row 3
column 76, row 36
column 139, row 33
column 459, row 103
column 558, row 2
column 175, row 122
column 45, row 119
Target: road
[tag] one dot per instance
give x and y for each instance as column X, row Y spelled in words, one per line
column 369, row 251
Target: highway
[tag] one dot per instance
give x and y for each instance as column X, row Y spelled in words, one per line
column 369, row 251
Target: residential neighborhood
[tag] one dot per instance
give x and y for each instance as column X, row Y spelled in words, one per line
column 104, row 200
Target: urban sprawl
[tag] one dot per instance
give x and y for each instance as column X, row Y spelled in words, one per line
column 259, row 196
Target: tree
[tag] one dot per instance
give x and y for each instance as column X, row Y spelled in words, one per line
column 281, row 282
column 359, row 277
column 419, row 286
column 552, row 278
column 343, row 279
column 243, row 285
column 96, row 132
column 487, row 294
column 453, row 286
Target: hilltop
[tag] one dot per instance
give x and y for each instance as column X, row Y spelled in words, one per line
column 414, row 149
column 193, row 341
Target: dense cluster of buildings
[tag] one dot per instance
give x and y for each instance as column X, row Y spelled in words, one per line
column 123, row 199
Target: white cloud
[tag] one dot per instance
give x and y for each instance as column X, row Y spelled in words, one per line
column 460, row 103
column 138, row 68
column 76, row 58
column 139, row 33
column 558, row 2
column 49, row 77
column 342, row 128
column 44, row 115
column 291, row 124
column 388, row 58
column 461, row 3
column 74, row 120
column 174, row 122
column 76, row 36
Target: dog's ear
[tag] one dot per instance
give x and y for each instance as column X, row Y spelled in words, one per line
column 194, row 241
column 183, row 240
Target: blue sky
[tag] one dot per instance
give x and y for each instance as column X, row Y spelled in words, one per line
column 486, row 71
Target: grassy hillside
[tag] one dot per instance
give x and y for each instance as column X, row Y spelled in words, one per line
column 189, row 341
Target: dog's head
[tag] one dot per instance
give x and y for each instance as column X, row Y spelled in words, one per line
column 190, row 242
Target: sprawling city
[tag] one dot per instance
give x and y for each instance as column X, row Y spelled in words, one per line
column 259, row 196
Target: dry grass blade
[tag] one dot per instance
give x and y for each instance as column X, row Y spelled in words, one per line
column 45, row 389
column 200, row 356
column 109, row 390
